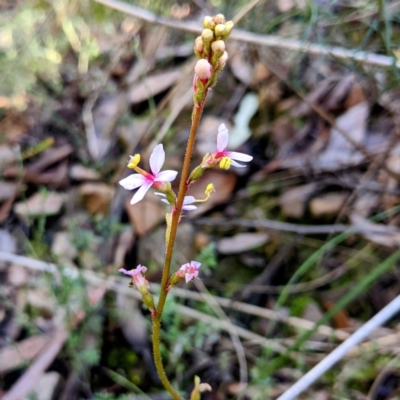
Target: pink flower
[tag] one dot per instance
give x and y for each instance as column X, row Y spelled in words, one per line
column 189, row 270
column 203, row 70
column 145, row 180
column 222, row 143
column 136, row 275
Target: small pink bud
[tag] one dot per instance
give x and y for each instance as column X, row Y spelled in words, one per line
column 203, row 70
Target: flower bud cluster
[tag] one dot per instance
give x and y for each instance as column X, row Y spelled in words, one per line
column 210, row 50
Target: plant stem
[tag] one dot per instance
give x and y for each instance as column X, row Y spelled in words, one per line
column 196, row 115
column 158, row 359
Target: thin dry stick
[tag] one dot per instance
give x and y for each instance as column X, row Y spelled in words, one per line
column 308, row 379
column 288, row 227
column 262, row 40
column 117, row 284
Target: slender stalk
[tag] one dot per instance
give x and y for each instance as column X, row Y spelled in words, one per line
column 158, row 359
column 196, row 115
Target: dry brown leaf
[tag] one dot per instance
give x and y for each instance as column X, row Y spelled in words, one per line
column 8, row 192
column 293, row 201
column 242, row 242
column 328, row 205
column 152, row 85
column 40, row 204
column 96, row 197
column 224, row 183
column 63, row 248
column 146, row 214
column 18, row 354
column 80, row 173
column 340, row 319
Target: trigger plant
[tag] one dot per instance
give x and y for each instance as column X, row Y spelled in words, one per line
column 209, row 48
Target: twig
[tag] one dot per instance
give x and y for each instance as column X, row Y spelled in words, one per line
column 308, row 379
column 263, row 40
column 288, row 227
column 115, row 284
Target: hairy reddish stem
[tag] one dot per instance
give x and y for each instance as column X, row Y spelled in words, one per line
column 183, row 187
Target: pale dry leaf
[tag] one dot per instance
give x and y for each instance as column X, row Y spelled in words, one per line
column 224, row 183
column 293, row 201
column 80, row 173
column 340, row 152
column 15, row 355
column 63, row 247
column 96, row 197
column 328, row 205
column 153, row 85
column 7, row 190
column 242, row 242
column 7, row 241
column 146, row 214
column 38, row 204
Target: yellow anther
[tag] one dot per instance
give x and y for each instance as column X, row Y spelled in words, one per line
column 225, row 163
column 134, row 161
column 209, row 190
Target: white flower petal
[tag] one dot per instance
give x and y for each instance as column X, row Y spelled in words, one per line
column 222, row 138
column 165, row 201
column 160, row 194
column 189, row 208
column 189, row 200
column 132, row 181
column 235, row 164
column 157, row 159
column 141, row 192
column 239, row 156
column 166, row 176
column 195, row 264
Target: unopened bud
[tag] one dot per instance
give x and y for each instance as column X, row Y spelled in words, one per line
column 222, row 60
column 228, row 27
column 203, row 70
column 219, row 19
column 198, row 46
column 207, row 35
column 218, row 47
column 134, row 161
column 220, row 31
column 208, row 23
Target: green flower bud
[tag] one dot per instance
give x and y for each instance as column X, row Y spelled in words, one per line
column 228, row 28
column 207, row 35
column 208, row 23
column 218, row 47
column 220, row 31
